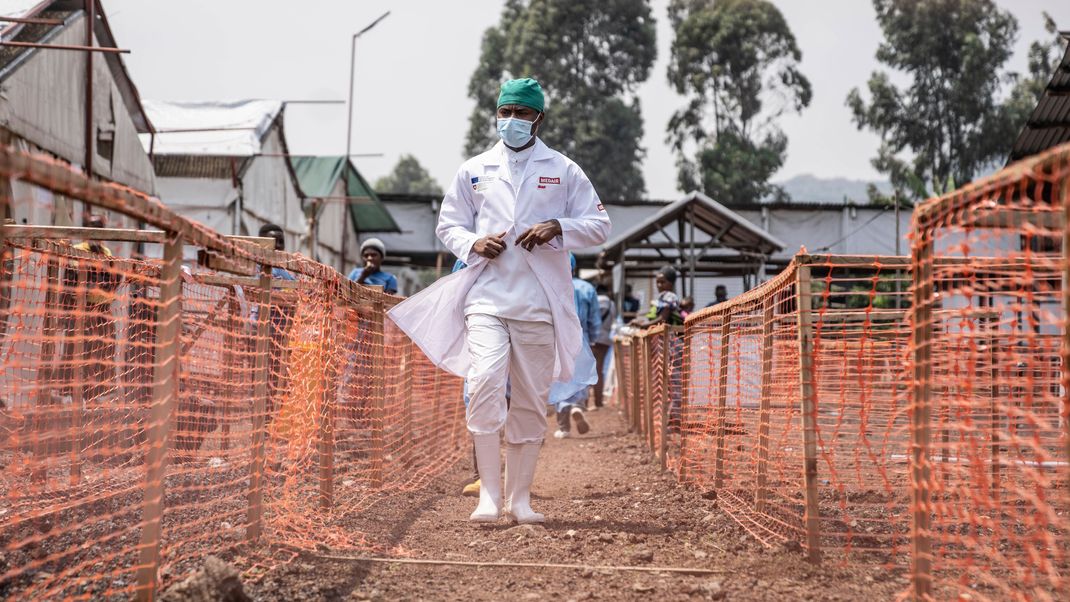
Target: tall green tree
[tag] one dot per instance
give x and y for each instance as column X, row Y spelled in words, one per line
column 737, row 62
column 1044, row 58
column 948, row 122
column 408, row 177
column 589, row 56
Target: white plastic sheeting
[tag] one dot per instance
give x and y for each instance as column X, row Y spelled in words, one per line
column 219, row 128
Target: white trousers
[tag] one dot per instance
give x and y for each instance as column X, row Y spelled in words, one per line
column 517, row 352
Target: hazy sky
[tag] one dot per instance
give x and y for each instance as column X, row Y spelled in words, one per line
column 412, row 73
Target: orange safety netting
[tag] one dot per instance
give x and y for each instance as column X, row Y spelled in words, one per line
column 991, row 460
column 155, row 412
column 736, row 418
column 907, row 411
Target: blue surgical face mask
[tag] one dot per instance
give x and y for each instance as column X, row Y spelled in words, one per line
column 514, row 131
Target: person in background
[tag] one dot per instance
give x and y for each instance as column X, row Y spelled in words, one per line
column 373, row 251
column 686, row 307
column 270, row 230
column 101, row 282
column 720, row 295
column 607, row 311
column 630, row 305
column 665, row 307
column 570, row 407
column 280, row 322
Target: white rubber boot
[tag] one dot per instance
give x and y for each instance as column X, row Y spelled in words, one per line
column 489, row 465
column 520, row 460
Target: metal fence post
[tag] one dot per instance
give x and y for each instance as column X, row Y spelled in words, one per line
column 808, row 390
column 164, row 398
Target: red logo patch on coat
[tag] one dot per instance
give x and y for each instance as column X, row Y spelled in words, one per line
column 600, row 207
column 545, row 180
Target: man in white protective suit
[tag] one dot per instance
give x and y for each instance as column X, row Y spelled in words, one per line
column 512, row 214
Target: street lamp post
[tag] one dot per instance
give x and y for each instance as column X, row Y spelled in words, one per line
column 349, row 132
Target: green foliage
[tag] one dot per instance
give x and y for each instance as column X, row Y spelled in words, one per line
column 947, row 123
column 589, row 57
column 408, row 177
column 738, row 63
column 1044, row 59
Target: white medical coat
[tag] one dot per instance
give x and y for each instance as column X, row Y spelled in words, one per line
column 482, row 201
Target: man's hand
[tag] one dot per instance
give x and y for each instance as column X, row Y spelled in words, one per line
column 539, row 234
column 490, row 246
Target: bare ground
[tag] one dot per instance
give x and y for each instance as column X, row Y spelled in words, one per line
column 607, row 504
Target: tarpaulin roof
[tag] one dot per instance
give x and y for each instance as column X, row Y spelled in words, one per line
column 218, row 128
column 317, row 178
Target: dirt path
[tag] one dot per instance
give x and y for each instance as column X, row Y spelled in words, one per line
column 607, row 504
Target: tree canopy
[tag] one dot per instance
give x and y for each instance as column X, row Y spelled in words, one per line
column 408, row 177
column 589, row 56
column 737, row 62
column 1044, row 58
column 947, row 123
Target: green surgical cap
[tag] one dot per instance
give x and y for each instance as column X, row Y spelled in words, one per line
column 525, row 92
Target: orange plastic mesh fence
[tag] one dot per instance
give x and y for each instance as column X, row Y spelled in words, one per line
column 153, row 413
column 732, row 390
column 910, row 412
column 991, row 466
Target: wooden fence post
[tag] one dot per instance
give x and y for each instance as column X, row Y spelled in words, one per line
column 722, row 399
column 378, row 454
column 230, row 371
column 622, row 386
column 920, row 431
column 1062, row 195
column 77, row 371
column 685, row 399
column 326, row 409
column 407, row 418
column 43, row 414
column 996, row 471
column 648, row 370
column 164, row 399
column 261, row 390
column 637, row 395
column 666, row 396
column 808, row 386
column 762, row 493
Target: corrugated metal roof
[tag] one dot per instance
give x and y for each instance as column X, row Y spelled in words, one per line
column 731, row 230
column 1049, row 125
column 317, row 177
column 67, row 11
